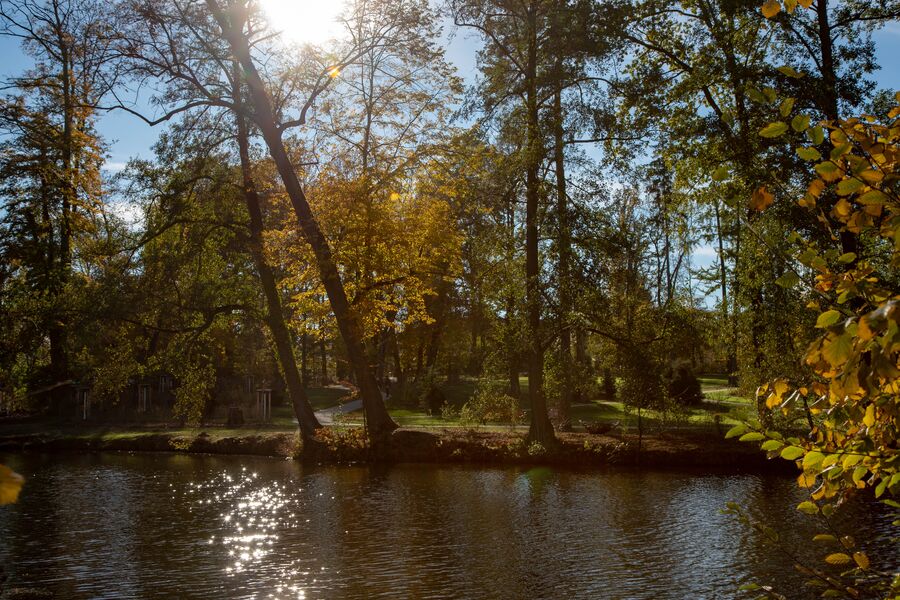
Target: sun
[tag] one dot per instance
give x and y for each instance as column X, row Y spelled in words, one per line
column 305, row 21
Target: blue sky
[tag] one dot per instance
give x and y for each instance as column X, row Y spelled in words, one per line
column 129, row 137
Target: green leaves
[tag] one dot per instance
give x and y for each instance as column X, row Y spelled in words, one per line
column 771, row 445
column 827, row 319
column 787, row 105
column 792, row 453
column 739, row 429
column 773, row 130
column 791, row 72
column 849, row 186
column 816, row 135
column 788, row 280
column 800, row 123
column 721, row 174
column 808, row 508
column 812, row 459
column 808, row 153
column 828, row 170
column 753, row 436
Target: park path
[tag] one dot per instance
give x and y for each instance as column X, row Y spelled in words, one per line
column 326, row 415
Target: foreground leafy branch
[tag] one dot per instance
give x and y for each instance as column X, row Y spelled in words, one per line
column 10, row 485
column 852, row 396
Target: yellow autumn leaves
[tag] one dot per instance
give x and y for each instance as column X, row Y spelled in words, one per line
column 10, row 485
column 772, row 7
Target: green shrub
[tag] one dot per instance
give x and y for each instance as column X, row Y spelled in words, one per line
column 490, row 404
column 682, row 385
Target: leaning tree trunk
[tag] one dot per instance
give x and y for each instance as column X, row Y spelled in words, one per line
column 378, row 421
column 303, row 411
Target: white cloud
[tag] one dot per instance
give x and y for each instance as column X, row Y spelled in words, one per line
column 705, row 251
column 130, row 212
column 114, row 166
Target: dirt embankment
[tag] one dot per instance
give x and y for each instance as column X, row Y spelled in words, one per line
column 429, row 446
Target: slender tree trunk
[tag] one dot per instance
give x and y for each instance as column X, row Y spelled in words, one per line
column 564, row 276
column 303, row 411
column 439, row 314
column 829, row 98
column 512, row 350
column 731, row 360
column 58, row 330
column 378, row 421
column 474, row 366
column 399, row 371
column 540, row 429
column 829, row 76
column 581, row 355
column 323, row 355
column 304, row 359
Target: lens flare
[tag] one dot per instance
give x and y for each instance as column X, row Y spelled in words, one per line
column 305, row 21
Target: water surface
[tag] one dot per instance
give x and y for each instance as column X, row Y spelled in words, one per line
column 176, row 526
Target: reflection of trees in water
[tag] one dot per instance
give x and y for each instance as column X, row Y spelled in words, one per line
column 146, row 525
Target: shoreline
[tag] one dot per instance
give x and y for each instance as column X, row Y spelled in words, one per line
column 669, row 451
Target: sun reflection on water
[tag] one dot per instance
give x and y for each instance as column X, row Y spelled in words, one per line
column 254, row 512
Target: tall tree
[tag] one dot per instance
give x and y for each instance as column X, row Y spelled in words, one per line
column 514, row 61
column 193, row 45
column 52, row 154
column 275, row 318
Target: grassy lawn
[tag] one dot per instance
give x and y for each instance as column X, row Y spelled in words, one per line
column 713, row 381
column 720, row 402
column 320, row 398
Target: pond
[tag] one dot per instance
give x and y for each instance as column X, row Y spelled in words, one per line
column 178, row 526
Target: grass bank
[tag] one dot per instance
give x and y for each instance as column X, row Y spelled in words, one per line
column 449, row 445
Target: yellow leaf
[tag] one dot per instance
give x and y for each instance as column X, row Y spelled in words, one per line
column 863, row 331
column 869, row 419
column 805, row 3
column 828, row 171
column 806, row 480
column 816, row 188
column 861, row 559
column 842, row 209
column 838, row 558
column 771, row 8
column 781, row 386
column 10, row 485
column 761, row 199
column 871, row 176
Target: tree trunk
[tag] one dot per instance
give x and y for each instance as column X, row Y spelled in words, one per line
column 323, row 352
column 540, row 429
column 439, row 314
column 731, row 360
column 829, row 100
column 563, row 275
column 378, row 421
column 303, row 411
column 304, row 359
